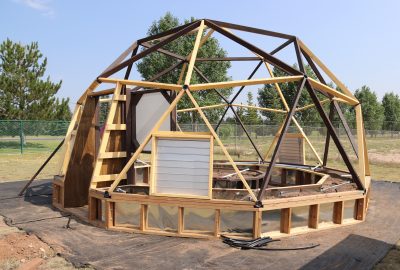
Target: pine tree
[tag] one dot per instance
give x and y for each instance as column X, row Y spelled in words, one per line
column 215, row 71
column 251, row 116
column 24, row 93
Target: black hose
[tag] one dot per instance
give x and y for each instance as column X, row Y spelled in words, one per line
column 259, row 244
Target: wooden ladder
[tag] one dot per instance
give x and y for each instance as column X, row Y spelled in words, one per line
column 109, row 157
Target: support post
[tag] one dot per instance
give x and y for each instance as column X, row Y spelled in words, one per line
column 181, row 220
column 338, row 210
column 359, row 209
column 257, row 222
column 313, row 216
column 286, row 220
column 143, row 217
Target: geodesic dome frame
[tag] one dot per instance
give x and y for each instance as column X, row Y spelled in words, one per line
column 96, row 168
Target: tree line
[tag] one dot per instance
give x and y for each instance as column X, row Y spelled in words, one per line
column 25, row 92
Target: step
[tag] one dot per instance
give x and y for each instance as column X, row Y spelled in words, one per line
column 116, row 127
column 112, row 155
column 105, row 177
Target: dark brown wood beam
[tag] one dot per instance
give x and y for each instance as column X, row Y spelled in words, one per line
column 346, row 127
column 228, row 59
column 251, row 29
column 267, row 57
column 150, row 50
column 198, row 71
column 162, row 73
column 168, row 53
column 328, row 137
column 282, row 46
column 335, row 104
column 333, row 134
column 298, row 55
column 246, row 132
column 237, row 94
column 285, row 127
column 166, row 33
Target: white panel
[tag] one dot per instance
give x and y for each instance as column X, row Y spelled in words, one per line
column 182, row 151
column 148, row 111
column 176, row 143
column 183, row 167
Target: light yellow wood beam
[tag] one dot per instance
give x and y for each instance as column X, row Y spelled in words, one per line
column 89, row 90
column 204, row 107
column 278, row 89
column 68, row 144
column 259, row 108
column 215, row 135
column 194, row 53
column 166, row 86
column 138, row 151
column 228, row 84
column 106, row 135
column 361, row 149
column 325, row 69
column 312, row 105
column 320, row 86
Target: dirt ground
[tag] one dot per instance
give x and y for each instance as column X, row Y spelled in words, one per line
column 20, row 250
column 391, row 260
column 358, row 246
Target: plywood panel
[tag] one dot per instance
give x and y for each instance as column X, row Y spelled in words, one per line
column 292, row 150
column 81, row 165
column 149, row 109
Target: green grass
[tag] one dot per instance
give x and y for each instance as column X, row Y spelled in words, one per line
column 384, row 155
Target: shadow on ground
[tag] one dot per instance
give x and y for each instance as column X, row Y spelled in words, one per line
column 358, row 246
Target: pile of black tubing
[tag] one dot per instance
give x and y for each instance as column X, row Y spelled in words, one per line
column 260, row 244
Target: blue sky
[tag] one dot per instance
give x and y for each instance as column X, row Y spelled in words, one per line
column 358, row 40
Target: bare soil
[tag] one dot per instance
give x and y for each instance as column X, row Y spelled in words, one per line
column 19, row 250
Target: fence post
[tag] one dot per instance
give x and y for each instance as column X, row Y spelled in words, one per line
column 21, row 133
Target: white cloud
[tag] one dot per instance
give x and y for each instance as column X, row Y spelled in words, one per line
column 42, row 6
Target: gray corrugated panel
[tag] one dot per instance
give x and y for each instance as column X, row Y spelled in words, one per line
column 182, row 177
column 196, row 192
column 181, row 169
column 182, row 164
column 183, row 185
column 179, row 157
column 183, row 151
column 203, row 144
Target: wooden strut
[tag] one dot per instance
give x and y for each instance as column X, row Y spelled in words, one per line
column 215, row 135
column 282, row 97
column 346, row 127
column 307, row 51
column 165, row 114
column 328, row 136
column 152, row 49
column 285, row 127
column 280, row 47
column 333, row 134
column 234, row 113
column 336, row 106
column 168, row 53
column 41, row 168
column 267, row 57
column 166, row 33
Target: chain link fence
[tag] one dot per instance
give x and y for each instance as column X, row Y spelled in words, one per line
column 30, row 136
column 26, row 136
